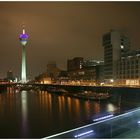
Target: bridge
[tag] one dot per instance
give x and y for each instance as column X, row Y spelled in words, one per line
column 125, row 125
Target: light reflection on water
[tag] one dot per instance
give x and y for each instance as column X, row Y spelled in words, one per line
column 111, row 108
column 24, row 113
column 37, row 114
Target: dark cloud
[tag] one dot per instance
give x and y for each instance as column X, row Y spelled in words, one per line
column 61, row 30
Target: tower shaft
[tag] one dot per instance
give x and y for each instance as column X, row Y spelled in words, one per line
column 23, row 37
column 23, row 71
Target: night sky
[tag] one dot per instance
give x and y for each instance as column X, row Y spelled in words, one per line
column 61, row 30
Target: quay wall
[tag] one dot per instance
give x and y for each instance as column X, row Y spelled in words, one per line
column 78, row 88
column 74, row 88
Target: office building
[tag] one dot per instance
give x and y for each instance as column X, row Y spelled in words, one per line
column 91, row 71
column 128, row 70
column 75, row 63
column 115, row 44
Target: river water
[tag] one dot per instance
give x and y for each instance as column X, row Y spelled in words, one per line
column 37, row 114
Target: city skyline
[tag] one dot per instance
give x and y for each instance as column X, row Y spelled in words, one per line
column 61, row 30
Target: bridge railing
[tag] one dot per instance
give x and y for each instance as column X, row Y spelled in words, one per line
column 105, row 127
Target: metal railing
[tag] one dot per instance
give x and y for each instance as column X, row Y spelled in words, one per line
column 105, row 127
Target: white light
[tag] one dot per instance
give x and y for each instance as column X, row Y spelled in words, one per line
column 122, row 47
column 82, row 134
column 102, row 84
column 111, row 80
column 102, row 118
column 138, row 122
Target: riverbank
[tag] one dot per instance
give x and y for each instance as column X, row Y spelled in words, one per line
column 76, row 88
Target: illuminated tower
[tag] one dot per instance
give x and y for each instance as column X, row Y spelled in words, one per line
column 23, row 40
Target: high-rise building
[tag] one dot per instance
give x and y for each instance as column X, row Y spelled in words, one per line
column 23, row 37
column 128, row 70
column 115, row 44
column 75, row 63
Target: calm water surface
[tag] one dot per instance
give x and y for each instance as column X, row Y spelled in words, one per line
column 37, row 114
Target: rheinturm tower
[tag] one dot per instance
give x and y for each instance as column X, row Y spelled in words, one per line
column 23, row 37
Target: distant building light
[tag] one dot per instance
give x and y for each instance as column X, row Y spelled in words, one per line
column 102, row 84
column 122, row 47
column 111, row 80
column 81, row 73
column 132, row 82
